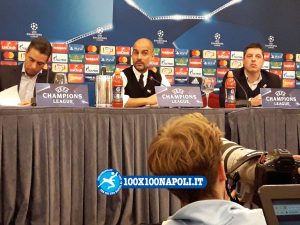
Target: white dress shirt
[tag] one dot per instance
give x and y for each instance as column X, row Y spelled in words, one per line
column 27, row 85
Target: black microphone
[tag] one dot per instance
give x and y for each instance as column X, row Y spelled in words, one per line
column 242, row 102
column 160, row 83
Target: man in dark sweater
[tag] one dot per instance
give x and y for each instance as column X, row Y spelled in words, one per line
column 250, row 78
column 139, row 82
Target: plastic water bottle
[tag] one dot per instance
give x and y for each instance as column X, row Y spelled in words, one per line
column 117, row 89
column 230, row 89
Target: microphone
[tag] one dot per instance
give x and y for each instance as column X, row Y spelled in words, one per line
column 242, row 102
column 160, row 83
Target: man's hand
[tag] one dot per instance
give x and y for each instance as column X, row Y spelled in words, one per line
column 297, row 158
column 256, row 101
column 26, row 103
column 152, row 100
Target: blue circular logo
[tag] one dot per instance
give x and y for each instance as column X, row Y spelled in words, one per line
column 109, row 182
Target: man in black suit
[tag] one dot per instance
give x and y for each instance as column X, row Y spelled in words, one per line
column 250, row 78
column 30, row 72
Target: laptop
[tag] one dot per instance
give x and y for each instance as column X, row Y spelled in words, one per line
column 281, row 204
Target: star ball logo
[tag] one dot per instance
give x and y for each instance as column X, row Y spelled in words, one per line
column 33, row 33
column 160, row 40
column 217, row 42
column 99, row 34
column 271, row 44
column 109, row 182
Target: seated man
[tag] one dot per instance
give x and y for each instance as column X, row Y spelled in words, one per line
column 251, row 77
column 30, row 72
column 191, row 145
column 139, row 82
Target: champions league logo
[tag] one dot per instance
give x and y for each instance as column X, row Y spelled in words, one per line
column 99, row 36
column 34, row 34
column 217, row 42
column 160, row 34
column 271, row 40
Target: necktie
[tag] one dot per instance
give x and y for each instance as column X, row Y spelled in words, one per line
column 141, row 81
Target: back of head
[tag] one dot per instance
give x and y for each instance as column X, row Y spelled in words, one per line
column 187, row 145
column 42, row 45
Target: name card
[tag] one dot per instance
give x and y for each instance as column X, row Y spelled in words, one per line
column 61, row 95
column 189, row 97
column 280, row 97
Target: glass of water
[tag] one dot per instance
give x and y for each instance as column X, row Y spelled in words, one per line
column 60, row 78
column 207, row 87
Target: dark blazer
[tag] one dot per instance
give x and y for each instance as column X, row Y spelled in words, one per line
column 11, row 76
column 269, row 80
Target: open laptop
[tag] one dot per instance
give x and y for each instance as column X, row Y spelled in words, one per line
column 281, row 204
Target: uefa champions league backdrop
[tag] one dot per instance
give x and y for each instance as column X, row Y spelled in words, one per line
column 193, row 38
column 188, row 24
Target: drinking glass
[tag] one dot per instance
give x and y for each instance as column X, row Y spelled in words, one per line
column 60, row 78
column 207, row 87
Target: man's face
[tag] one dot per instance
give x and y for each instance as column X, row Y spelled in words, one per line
column 34, row 61
column 142, row 54
column 253, row 60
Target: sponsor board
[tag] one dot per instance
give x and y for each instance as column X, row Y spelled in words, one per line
column 76, row 48
column 92, row 58
column 289, row 65
column 195, row 53
column 181, row 61
column 155, row 61
column 237, row 55
column 195, row 72
column 168, row 71
column 76, row 68
column 107, row 50
column 275, row 65
column 92, row 49
column 181, row 52
column 59, row 67
column 221, row 72
column 276, row 56
column 9, row 56
column 110, row 68
column 195, row 62
column 91, row 69
column 23, row 45
column 221, row 54
column 266, row 65
column 167, row 61
column 209, row 54
column 180, row 80
column 209, row 62
column 8, row 63
column 288, row 83
column 267, row 56
column 209, row 72
column 59, row 48
column 289, row 57
column 277, row 72
column 75, row 78
column 109, row 59
column 288, row 74
column 9, row 45
column 167, row 52
column 181, row 71
column 236, row 64
column 21, row 56
column 123, row 59
column 123, row 50
column 76, row 58
column 59, row 58
column 223, row 63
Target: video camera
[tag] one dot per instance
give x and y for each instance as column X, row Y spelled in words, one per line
column 248, row 169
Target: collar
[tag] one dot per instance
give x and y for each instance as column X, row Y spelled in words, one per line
column 255, row 82
column 138, row 74
column 25, row 74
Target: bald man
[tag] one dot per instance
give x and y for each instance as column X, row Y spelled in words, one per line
column 139, row 82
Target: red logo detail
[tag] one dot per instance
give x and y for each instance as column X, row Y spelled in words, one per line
column 76, row 68
column 289, row 65
column 182, row 71
column 123, row 50
column 221, row 72
column 288, row 83
column 267, row 56
column 75, row 78
column 223, row 54
column 60, row 48
column 155, row 61
column 167, row 52
column 92, row 59
column 9, row 45
column 277, row 72
column 195, row 62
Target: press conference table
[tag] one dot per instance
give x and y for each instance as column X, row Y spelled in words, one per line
column 50, row 159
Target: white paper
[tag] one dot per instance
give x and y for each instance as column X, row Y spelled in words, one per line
column 10, row 96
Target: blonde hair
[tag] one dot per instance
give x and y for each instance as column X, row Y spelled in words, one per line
column 187, row 145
